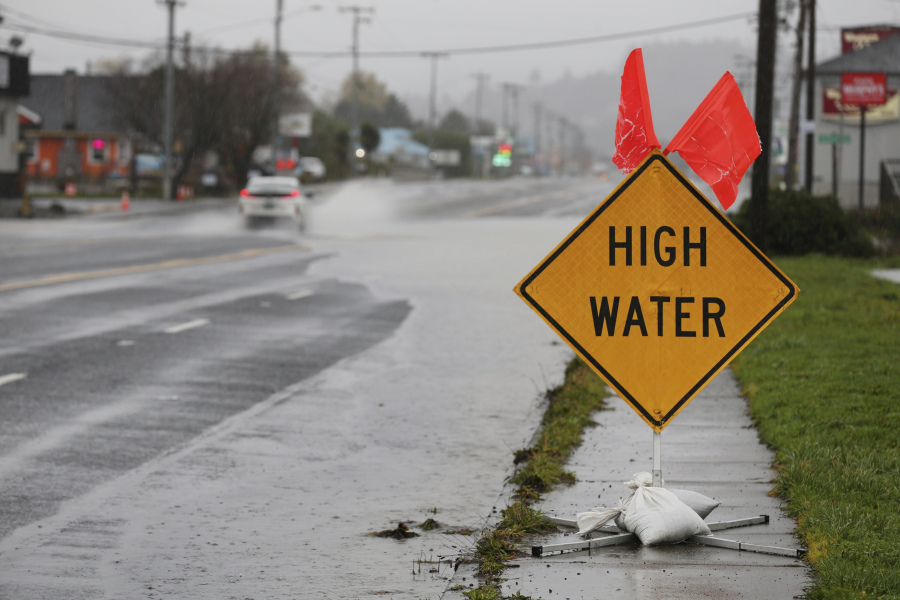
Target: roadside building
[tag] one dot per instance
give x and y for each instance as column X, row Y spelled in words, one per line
column 837, row 153
column 398, row 150
column 72, row 135
column 13, row 85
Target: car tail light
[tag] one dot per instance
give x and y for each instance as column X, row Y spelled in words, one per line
column 293, row 194
column 245, row 193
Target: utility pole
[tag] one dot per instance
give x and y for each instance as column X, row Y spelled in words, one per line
column 765, row 76
column 504, row 121
column 432, row 107
column 481, row 78
column 538, row 107
column 511, row 89
column 549, row 117
column 794, row 133
column 276, row 104
column 562, row 145
column 276, row 85
column 810, row 92
column 515, row 108
column 169, row 103
column 357, row 11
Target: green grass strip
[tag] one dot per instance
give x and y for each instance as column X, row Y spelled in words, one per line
column 824, row 388
column 569, row 410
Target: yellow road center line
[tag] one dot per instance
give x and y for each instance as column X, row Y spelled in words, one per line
column 168, row 264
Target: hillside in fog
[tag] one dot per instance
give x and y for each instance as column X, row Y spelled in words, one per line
column 679, row 75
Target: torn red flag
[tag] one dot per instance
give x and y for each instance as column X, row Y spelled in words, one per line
column 634, row 126
column 719, row 141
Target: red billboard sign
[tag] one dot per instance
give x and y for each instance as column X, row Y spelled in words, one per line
column 864, row 89
column 857, row 38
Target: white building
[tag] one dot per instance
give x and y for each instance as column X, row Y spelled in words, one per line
column 837, row 151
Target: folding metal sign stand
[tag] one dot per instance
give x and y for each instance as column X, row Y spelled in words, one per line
column 615, row 536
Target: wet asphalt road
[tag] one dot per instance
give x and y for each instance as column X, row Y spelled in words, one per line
column 124, row 338
column 121, row 369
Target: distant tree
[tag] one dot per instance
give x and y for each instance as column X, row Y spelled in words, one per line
column 485, row 127
column 343, row 111
column 371, row 91
column 247, row 113
column 396, row 114
column 372, row 98
column 369, row 137
column 329, row 141
column 223, row 103
column 376, row 105
column 455, row 121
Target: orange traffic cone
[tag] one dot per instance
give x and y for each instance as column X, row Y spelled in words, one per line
column 126, row 200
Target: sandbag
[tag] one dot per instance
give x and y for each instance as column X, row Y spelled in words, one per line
column 700, row 504
column 591, row 520
column 657, row 516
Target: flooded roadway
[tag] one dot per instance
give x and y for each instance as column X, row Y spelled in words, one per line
column 381, row 372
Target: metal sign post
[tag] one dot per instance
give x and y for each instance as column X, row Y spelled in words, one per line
column 863, row 90
column 657, row 459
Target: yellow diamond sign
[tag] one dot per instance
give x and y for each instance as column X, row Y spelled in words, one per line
column 657, row 291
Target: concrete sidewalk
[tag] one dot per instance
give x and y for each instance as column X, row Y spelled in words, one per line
column 712, row 448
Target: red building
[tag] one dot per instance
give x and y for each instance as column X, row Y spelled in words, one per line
column 70, row 131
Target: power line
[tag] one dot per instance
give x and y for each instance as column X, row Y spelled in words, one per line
column 83, row 37
column 570, row 42
column 75, row 36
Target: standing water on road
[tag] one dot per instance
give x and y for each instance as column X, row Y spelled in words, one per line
column 280, row 500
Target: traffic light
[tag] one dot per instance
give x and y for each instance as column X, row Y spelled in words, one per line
column 503, row 157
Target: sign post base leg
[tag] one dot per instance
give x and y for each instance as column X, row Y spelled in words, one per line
column 618, row 538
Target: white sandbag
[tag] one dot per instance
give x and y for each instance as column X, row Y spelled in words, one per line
column 623, row 508
column 700, row 504
column 591, row 520
column 657, row 516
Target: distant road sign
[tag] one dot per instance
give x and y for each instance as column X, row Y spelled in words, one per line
column 657, row 291
column 864, row 89
column 295, row 125
column 834, row 138
column 445, row 158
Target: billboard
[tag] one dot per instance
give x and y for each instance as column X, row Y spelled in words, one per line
column 832, row 105
column 296, row 125
column 864, row 89
column 857, row 38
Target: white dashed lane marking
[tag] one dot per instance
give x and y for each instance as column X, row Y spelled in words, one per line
column 185, row 326
column 300, row 294
column 12, row 377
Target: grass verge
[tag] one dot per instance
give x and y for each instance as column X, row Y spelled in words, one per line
column 824, row 389
column 569, row 410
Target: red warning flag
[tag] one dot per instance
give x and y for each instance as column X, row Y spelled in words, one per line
column 634, row 127
column 719, row 141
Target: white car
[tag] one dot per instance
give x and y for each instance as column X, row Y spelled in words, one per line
column 310, row 168
column 273, row 197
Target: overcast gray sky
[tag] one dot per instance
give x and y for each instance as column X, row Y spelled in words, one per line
column 409, row 26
